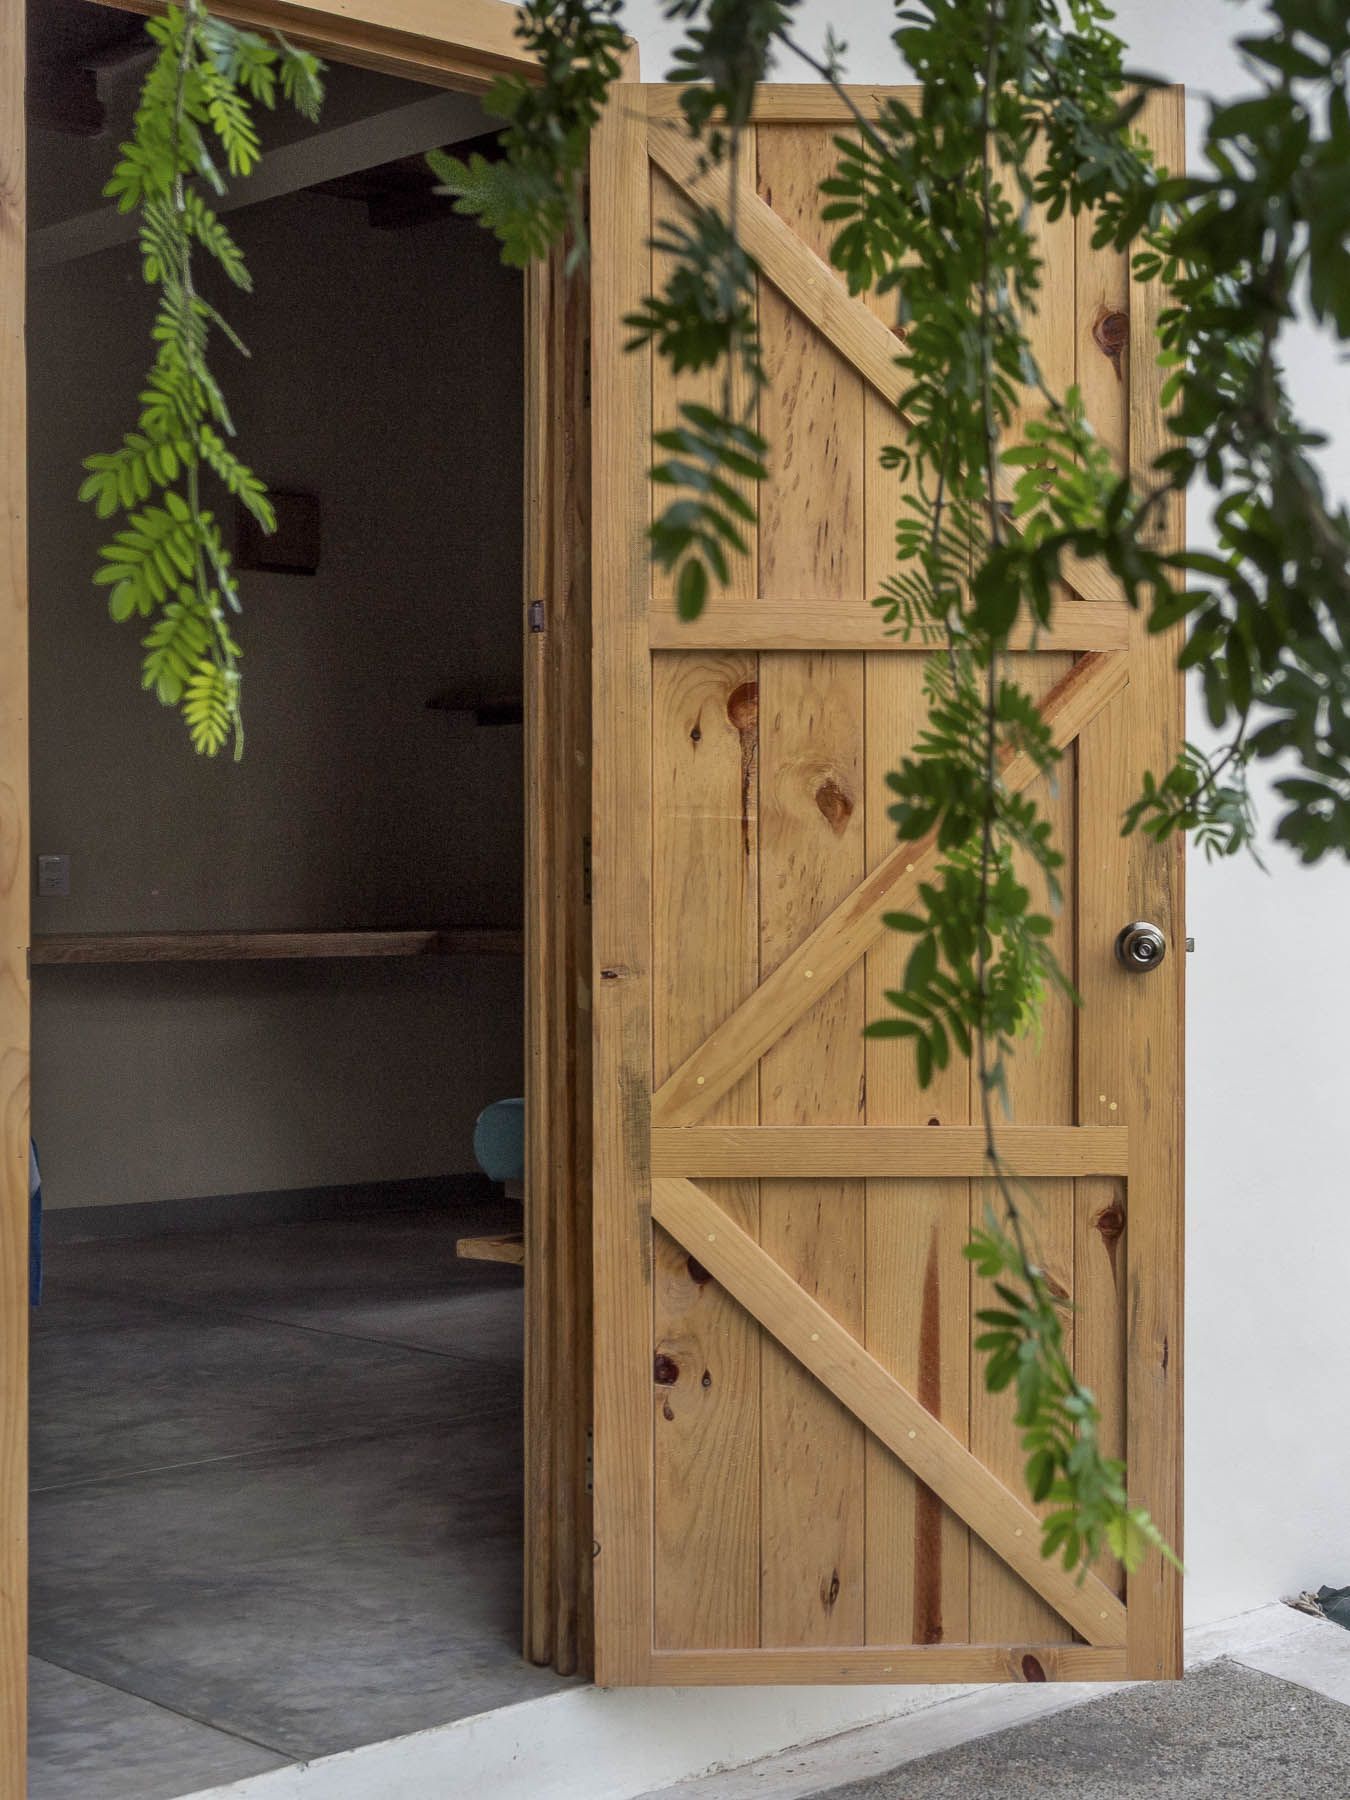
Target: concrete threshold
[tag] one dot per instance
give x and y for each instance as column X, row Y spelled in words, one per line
column 731, row 1744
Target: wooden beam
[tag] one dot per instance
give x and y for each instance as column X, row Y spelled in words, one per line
column 318, row 156
column 819, row 1151
column 270, row 946
column 462, row 44
column 849, row 931
column 826, row 624
column 889, row 1411
column 812, row 286
column 15, row 875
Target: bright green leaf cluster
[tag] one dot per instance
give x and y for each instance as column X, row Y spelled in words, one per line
column 169, row 562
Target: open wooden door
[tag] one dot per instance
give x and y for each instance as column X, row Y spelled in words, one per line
column 798, row 1473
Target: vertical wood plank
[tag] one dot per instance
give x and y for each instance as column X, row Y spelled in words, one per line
column 621, row 898
column 1041, row 1074
column 573, row 767
column 705, row 961
column 14, row 865
column 1105, row 784
column 1155, row 1243
column 545, row 1171
column 917, row 1285
column 812, row 853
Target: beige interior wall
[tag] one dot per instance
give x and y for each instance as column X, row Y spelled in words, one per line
column 385, row 379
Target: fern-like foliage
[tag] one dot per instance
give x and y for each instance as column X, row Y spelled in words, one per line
column 168, row 562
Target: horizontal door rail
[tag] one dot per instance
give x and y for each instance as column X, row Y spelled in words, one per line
column 724, row 624
column 815, row 1151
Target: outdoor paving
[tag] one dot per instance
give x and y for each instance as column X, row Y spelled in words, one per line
column 1224, row 1731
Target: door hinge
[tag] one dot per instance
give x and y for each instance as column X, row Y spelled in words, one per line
column 590, row 1460
column 586, row 871
column 536, row 615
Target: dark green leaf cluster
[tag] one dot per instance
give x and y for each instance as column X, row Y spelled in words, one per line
column 532, row 197
column 168, row 562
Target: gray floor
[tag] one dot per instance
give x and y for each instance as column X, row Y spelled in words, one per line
column 276, row 1499
column 1225, row 1731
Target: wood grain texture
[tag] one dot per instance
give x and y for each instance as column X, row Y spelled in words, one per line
column 60, row 949
column 864, row 1663
column 793, row 103
column 811, row 286
column 621, row 897
column 706, row 1396
column 14, row 920
column 906, row 1153
column 811, row 854
column 1155, row 1238
column 855, row 924
column 705, row 810
column 1106, row 785
column 544, row 1164
column 918, row 1286
column 825, row 1347
column 838, row 624
column 1041, row 1071
column 509, row 1248
column 453, row 43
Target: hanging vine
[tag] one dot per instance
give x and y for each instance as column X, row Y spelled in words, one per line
column 169, row 563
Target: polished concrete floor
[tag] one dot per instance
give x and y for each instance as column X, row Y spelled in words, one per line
column 276, row 1499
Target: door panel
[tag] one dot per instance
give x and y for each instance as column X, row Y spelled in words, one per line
column 798, row 1473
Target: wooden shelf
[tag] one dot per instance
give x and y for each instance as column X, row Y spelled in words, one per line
column 492, row 709
column 271, row 946
column 506, row 1249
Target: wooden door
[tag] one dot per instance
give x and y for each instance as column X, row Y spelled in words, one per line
column 798, row 1473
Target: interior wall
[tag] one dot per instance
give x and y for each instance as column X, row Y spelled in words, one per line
column 385, row 379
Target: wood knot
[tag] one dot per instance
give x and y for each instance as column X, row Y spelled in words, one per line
column 829, row 1591
column 1111, row 333
column 665, row 1370
column 836, row 807
column 696, row 735
column 697, row 1272
column 743, row 707
column 1032, row 1669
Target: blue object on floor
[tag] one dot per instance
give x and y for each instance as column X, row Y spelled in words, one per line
column 34, row 1227
column 499, row 1140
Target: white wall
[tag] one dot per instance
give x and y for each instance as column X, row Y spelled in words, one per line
column 1268, row 1235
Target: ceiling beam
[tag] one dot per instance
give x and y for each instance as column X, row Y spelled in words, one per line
column 319, row 156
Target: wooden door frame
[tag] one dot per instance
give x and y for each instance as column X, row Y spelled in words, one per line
column 463, row 45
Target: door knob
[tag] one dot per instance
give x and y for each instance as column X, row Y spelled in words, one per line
column 1140, row 947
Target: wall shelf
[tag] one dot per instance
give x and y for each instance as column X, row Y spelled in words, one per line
column 271, row 946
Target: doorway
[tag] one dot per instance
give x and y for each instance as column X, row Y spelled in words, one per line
column 278, row 1422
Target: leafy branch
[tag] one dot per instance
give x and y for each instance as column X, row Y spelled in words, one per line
column 169, row 562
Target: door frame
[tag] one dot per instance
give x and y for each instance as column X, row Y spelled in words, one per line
column 463, row 45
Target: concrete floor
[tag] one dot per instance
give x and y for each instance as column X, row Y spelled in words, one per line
column 276, row 1499
column 1225, row 1731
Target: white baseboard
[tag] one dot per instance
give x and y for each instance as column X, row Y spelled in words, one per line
column 589, row 1744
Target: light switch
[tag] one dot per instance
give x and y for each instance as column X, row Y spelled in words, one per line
column 53, row 877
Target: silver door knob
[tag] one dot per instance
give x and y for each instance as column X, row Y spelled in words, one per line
column 1140, row 947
